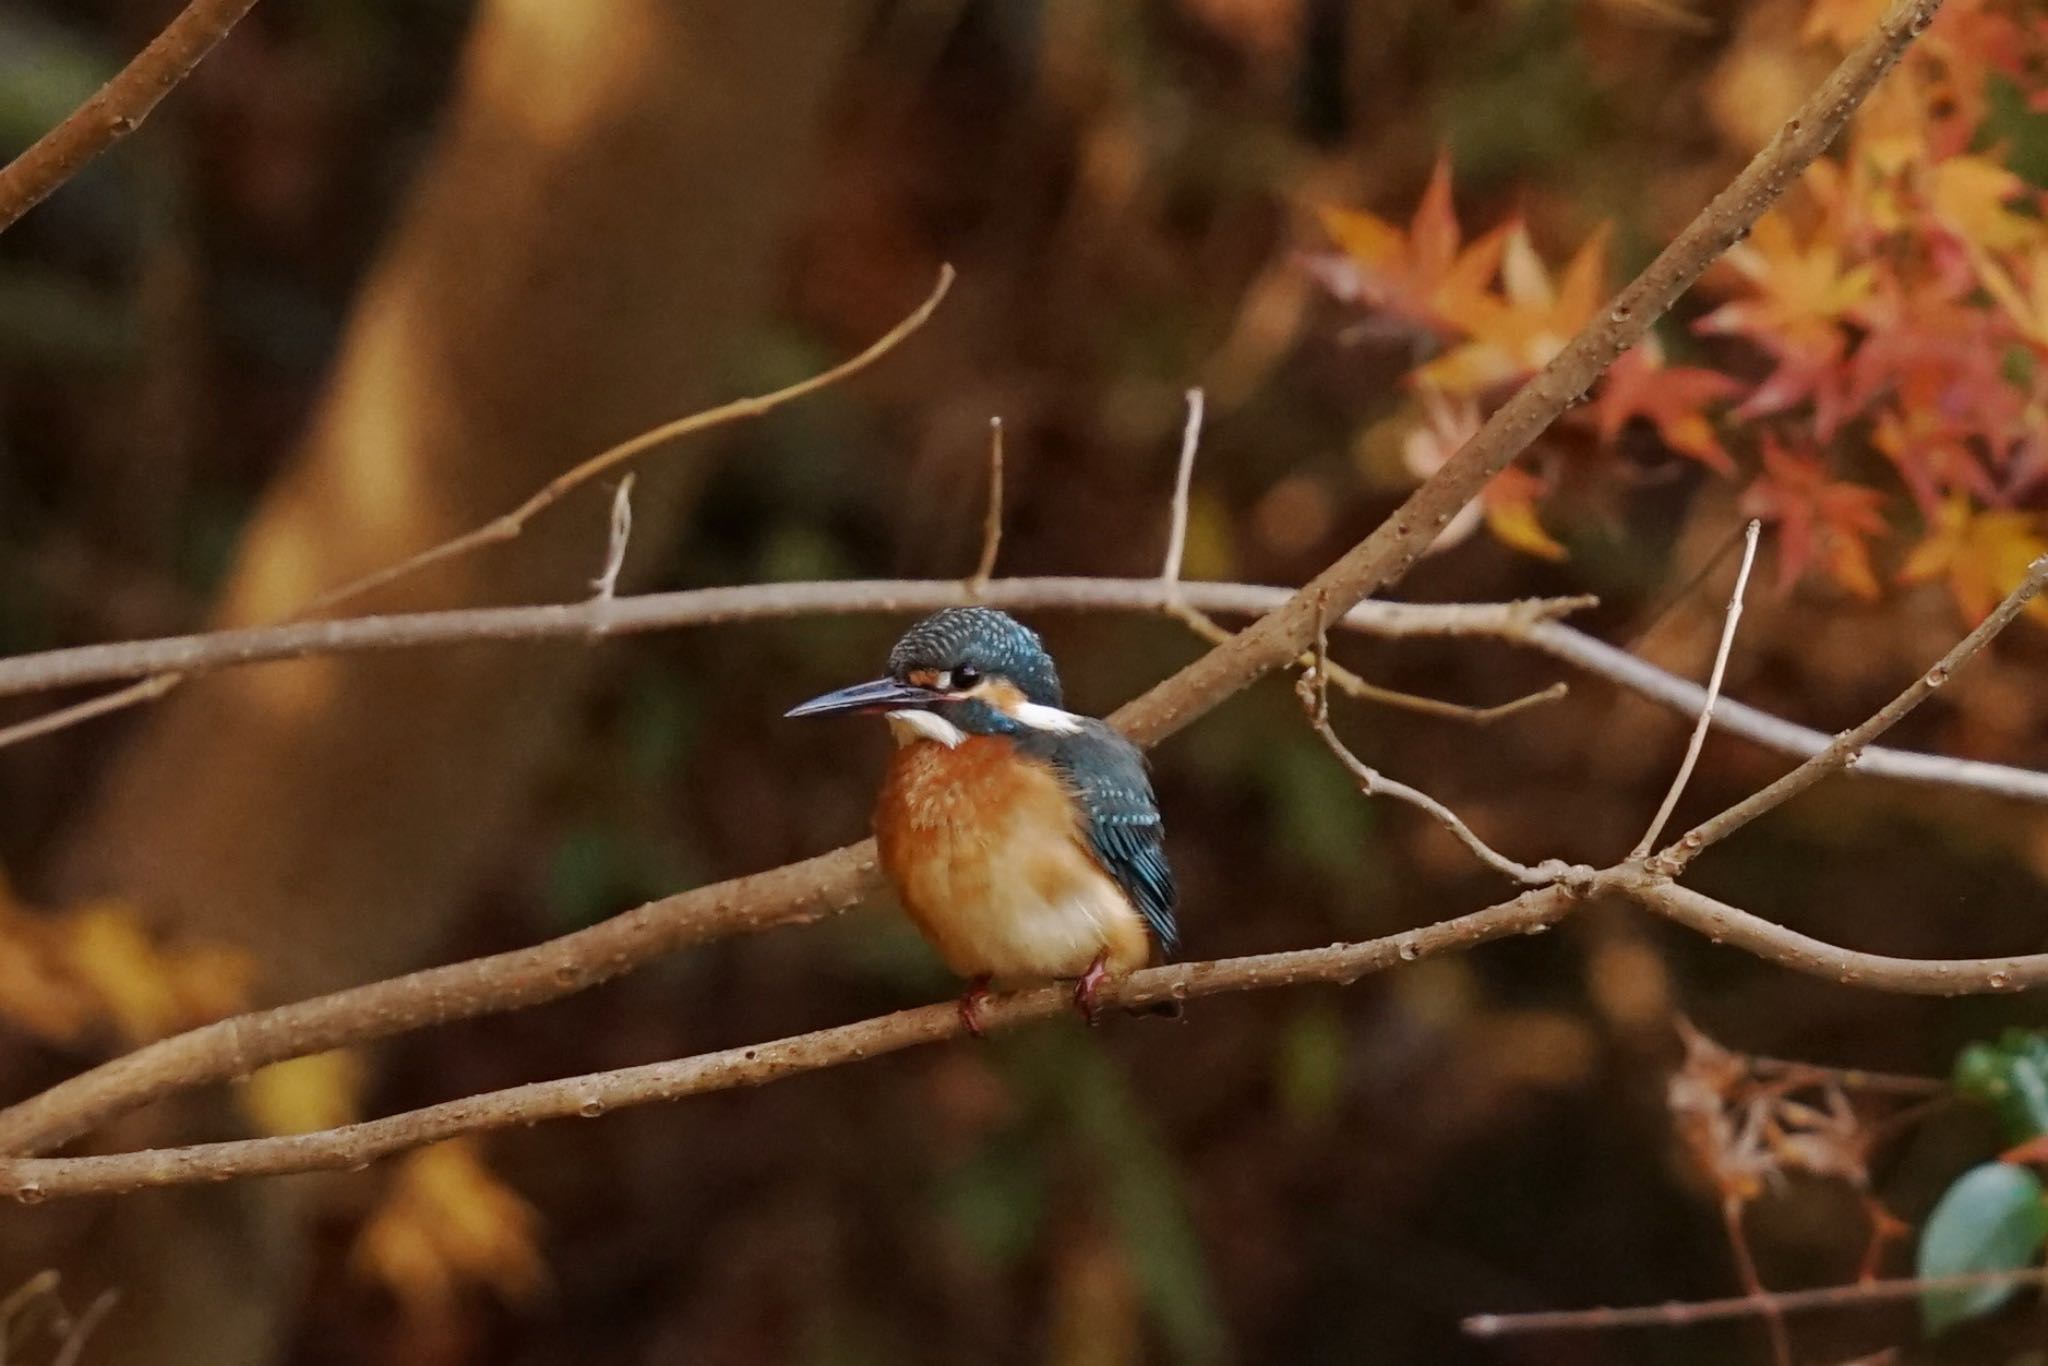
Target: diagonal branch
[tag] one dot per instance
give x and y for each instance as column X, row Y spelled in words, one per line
column 117, row 108
column 1388, row 552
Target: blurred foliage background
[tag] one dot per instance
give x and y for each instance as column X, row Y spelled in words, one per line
column 533, row 199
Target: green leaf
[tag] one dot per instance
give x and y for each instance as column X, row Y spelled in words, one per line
column 1991, row 1219
column 2012, row 1077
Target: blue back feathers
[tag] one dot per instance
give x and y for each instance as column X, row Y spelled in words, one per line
column 1120, row 817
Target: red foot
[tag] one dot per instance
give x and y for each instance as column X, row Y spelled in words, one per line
column 970, row 1004
column 1091, row 980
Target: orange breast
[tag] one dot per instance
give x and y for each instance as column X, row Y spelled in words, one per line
column 988, row 860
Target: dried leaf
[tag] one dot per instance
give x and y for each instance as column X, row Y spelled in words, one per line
column 447, row 1225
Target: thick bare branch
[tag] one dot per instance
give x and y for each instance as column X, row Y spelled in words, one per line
column 34, row 1179
column 1774, row 943
column 117, row 108
column 234, row 1047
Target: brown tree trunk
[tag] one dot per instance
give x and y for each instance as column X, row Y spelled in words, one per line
column 596, row 229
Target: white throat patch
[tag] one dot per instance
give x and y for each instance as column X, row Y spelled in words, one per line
column 1045, row 718
column 912, row 725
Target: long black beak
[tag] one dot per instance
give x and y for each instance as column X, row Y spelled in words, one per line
column 884, row 694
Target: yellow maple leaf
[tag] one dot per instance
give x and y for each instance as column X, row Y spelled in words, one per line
column 1423, row 274
column 1519, row 330
column 1983, row 554
column 448, row 1223
column 1973, row 198
column 1509, row 503
column 149, row 990
column 321, row 1091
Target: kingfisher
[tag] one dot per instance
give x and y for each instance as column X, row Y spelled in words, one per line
column 1023, row 840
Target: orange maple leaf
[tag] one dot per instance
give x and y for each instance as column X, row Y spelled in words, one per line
column 1517, row 331
column 1507, row 504
column 1671, row 398
column 1802, row 295
column 1983, row 553
column 1421, row 275
column 1818, row 519
column 449, row 1223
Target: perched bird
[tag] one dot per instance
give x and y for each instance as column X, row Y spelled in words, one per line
column 1022, row 839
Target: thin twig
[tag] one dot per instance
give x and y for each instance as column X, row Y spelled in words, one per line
column 1848, row 1078
column 635, row 614
column 508, row 526
column 82, row 1331
column 117, row 108
column 992, row 519
column 1640, row 634
column 606, row 584
column 1683, row 695
column 1844, row 750
column 1706, row 718
column 1313, row 688
column 1352, row 685
column 1681, row 1314
column 133, row 694
column 1205, row 627
column 1183, row 483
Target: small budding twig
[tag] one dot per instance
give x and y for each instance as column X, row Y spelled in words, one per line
column 1680, row 1314
column 1843, row 751
column 1177, row 606
column 82, row 1330
column 1183, row 482
column 992, row 520
column 508, row 525
column 606, row 584
column 1314, row 691
column 1706, row 718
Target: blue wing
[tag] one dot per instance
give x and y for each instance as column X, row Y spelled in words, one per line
column 1122, row 822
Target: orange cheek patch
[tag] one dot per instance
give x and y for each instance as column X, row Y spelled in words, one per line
column 1001, row 694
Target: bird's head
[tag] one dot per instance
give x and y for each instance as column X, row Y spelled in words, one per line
column 961, row 671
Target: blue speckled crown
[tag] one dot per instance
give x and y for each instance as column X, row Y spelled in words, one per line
column 983, row 639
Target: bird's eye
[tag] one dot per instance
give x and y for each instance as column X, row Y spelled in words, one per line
column 966, row 676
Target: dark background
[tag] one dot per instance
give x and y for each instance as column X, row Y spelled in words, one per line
column 640, row 207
